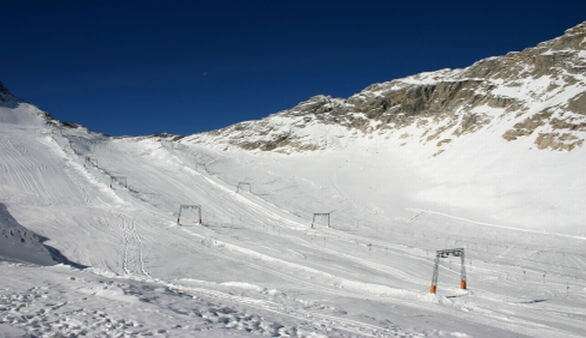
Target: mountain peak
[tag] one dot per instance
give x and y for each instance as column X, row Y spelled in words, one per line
column 5, row 94
column 536, row 94
column 579, row 29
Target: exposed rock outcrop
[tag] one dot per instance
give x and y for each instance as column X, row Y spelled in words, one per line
column 539, row 92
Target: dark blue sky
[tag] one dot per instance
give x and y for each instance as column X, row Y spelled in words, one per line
column 186, row 66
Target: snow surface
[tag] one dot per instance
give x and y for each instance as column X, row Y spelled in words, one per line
column 19, row 244
column 259, row 265
column 256, row 267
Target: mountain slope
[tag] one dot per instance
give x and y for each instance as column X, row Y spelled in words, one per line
column 257, row 264
column 468, row 133
column 537, row 93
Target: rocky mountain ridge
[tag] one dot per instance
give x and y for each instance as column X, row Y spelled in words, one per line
column 538, row 93
column 5, row 94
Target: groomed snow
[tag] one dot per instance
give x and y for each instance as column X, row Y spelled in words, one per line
column 257, row 267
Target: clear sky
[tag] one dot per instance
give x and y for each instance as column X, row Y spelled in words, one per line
column 141, row 67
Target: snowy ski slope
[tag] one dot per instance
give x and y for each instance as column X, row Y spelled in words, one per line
column 489, row 158
column 256, row 253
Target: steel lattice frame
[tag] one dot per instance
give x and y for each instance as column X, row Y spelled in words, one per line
column 91, row 160
column 121, row 180
column 316, row 215
column 445, row 253
column 184, row 207
column 241, row 185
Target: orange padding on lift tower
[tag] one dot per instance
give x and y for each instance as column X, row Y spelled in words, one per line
column 463, row 284
column 433, row 289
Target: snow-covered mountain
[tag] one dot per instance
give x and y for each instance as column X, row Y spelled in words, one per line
column 471, row 131
column 537, row 93
column 489, row 158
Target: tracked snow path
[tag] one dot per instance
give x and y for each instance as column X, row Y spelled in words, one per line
column 133, row 260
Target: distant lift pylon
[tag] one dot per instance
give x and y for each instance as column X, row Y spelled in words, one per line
column 189, row 207
column 445, row 253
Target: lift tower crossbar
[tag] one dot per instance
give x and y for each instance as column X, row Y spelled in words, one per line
column 321, row 215
column 244, row 186
column 445, row 253
column 189, row 207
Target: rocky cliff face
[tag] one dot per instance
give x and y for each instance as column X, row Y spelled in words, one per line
column 538, row 94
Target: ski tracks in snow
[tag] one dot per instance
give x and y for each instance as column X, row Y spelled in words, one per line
column 133, row 260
